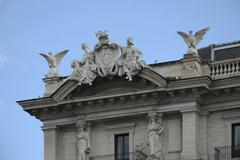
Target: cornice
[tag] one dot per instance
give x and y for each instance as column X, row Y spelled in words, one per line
column 140, row 107
column 200, row 90
column 221, row 106
column 40, row 102
column 226, row 83
column 190, row 83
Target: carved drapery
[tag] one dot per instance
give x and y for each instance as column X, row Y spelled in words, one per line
column 107, row 59
column 83, row 141
column 155, row 130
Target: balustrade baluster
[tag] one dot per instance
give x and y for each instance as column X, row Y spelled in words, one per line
column 224, row 69
column 237, row 68
column 221, row 70
column 233, row 68
column 212, row 74
column 217, row 70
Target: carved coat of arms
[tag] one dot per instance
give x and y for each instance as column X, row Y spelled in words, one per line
column 107, row 59
column 106, row 55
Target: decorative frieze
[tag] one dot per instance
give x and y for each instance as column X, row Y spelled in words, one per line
column 124, row 102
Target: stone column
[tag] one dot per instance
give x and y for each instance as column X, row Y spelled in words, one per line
column 190, row 135
column 50, row 142
column 203, row 136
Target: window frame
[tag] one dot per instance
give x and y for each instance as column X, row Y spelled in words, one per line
column 116, row 136
column 235, row 152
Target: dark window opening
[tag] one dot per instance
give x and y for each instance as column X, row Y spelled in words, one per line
column 122, row 147
column 235, row 140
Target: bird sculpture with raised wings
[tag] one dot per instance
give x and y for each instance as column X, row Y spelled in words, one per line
column 193, row 40
column 53, row 61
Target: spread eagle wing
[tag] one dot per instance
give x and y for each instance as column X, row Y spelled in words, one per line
column 185, row 37
column 48, row 59
column 59, row 56
column 199, row 35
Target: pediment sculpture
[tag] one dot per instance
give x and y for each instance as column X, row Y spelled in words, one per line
column 107, row 59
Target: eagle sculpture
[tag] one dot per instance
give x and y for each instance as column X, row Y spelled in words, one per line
column 193, row 40
column 53, row 61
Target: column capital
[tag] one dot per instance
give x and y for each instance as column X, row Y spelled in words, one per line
column 189, row 110
column 204, row 113
column 52, row 127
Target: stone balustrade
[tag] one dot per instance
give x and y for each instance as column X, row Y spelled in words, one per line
column 224, row 69
column 227, row 153
column 126, row 156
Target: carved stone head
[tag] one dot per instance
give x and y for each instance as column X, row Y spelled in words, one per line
column 81, row 125
column 102, row 37
column 75, row 64
column 130, row 41
column 153, row 117
column 190, row 32
column 84, row 46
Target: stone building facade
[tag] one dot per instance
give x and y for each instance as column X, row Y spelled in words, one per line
column 186, row 109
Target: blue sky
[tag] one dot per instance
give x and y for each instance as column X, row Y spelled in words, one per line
column 28, row 27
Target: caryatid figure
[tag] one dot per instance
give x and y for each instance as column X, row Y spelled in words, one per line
column 83, row 141
column 154, row 132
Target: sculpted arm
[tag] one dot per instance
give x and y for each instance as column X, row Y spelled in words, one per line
column 160, row 130
column 88, row 141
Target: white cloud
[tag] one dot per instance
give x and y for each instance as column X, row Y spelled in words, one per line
column 3, row 59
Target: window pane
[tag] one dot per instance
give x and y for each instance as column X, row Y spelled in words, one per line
column 126, row 147
column 122, row 147
column 237, row 137
column 236, row 140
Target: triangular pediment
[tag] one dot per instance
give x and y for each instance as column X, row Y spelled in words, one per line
column 145, row 80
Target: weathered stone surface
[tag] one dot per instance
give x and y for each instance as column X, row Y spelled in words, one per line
column 197, row 111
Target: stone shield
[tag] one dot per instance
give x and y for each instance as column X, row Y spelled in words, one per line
column 105, row 59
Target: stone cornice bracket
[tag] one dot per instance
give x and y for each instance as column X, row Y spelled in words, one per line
column 101, row 102
column 171, row 94
column 237, row 89
column 198, row 92
column 133, row 98
column 154, row 112
column 80, row 118
column 155, row 96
